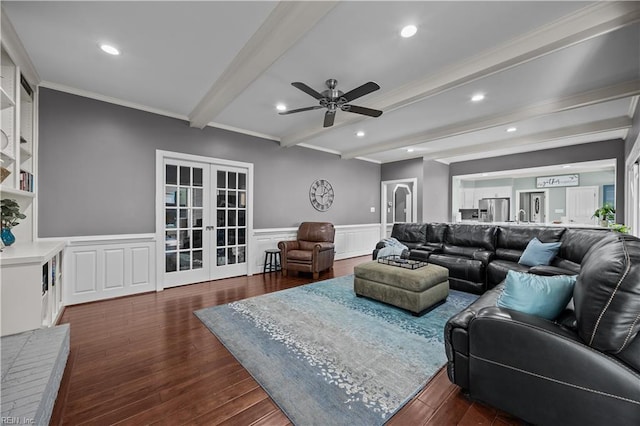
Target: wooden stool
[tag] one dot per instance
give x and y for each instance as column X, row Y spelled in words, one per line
column 271, row 260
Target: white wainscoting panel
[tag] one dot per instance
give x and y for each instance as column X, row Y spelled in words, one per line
column 351, row 241
column 101, row 268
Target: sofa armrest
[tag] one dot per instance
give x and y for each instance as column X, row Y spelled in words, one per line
column 322, row 246
column 525, row 364
column 549, row 270
column 484, row 256
column 285, row 246
column 380, row 244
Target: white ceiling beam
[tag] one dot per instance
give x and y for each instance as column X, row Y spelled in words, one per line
column 592, row 97
column 284, row 26
column 589, row 22
column 611, row 124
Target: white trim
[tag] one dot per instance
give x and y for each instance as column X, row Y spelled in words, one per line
column 140, row 107
column 591, row 21
column 350, row 241
column 243, row 131
column 109, row 99
column 591, row 128
column 161, row 155
column 549, row 106
column 17, row 52
column 383, row 202
column 546, row 203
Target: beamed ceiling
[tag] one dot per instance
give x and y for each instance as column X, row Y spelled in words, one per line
column 560, row 73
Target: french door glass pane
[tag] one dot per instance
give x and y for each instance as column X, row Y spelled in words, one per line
column 171, row 195
column 184, row 225
column 170, row 262
column 171, row 240
column 231, row 217
column 171, row 218
column 171, row 175
column 197, row 176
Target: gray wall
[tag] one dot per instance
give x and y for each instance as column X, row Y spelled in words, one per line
column 407, row 169
column 96, row 170
column 570, row 154
column 437, row 192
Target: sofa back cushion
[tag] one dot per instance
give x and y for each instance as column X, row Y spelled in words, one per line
column 471, row 236
column 410, row 233
column 435, row 232
column 512, row 240
column 316, row 232
column 576, row 242
column 607, row 294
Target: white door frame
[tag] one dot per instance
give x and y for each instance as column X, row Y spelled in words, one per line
column 383, row 201
column 161, row 155
column 546, row 202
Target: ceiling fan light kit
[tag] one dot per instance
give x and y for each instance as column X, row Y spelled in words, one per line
column 333, row 100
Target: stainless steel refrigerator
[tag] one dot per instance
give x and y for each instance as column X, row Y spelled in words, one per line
column 494, row 209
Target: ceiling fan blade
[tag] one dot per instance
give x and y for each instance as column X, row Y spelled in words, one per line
column 306, row 89
column 329, row 116
column 300, row 110
column 365, row 89
column 362, row 110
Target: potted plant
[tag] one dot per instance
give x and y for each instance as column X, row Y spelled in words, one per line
column 606, row 214
column 620, row 227
column 10, row 216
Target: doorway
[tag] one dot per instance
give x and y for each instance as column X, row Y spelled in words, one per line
column 204, row 218
column 398, row 203
column 532, row 206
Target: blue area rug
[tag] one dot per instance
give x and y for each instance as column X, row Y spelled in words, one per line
column 326, row 356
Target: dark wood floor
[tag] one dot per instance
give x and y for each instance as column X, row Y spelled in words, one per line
column 147, row 359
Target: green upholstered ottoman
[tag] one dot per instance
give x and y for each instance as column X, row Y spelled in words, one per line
column 416, row 290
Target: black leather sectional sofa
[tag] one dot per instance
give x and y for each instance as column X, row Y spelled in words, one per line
column 581, row 368
column 479, row 256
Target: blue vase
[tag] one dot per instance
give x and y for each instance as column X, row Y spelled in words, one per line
column 7, row 237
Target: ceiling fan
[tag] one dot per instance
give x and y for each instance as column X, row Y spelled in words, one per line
column 333, row 99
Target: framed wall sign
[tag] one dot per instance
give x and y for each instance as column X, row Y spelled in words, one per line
column 555, row 181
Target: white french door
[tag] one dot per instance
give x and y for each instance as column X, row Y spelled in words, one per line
column 205, row 219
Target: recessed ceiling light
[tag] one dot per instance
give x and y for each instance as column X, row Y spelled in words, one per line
column 409, row 31
column 566, row 167
column 485, row 174
column 512, row 129
column 477, row 97
column 360, row 133
column 107, row 48
column 281, row 107
column 410, row 150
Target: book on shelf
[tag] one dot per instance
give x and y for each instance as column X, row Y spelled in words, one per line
column 26, row 181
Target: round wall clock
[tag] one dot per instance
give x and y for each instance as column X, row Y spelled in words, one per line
column 321, row 195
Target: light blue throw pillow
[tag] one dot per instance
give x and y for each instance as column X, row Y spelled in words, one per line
column 539, row 253
column 537, row 295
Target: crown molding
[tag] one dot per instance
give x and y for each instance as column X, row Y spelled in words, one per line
column 109, row 99
column 612, row 124
column 284, row 26
column 592, row 97
column 16, row 50
column 592, row 21
column 140, row 107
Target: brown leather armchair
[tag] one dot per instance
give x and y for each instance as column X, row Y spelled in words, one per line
column 313, row 251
